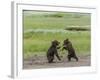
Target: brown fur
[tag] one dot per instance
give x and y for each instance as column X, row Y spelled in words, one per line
column 67, row 45
column 52, row 51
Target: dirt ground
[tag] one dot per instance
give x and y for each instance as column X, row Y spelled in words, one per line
column 37, row 62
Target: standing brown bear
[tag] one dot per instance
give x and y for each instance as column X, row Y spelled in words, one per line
column 67, row 45
column 52, row 51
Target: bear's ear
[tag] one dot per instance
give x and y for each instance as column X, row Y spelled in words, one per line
column 53, row 43
column 67, row 39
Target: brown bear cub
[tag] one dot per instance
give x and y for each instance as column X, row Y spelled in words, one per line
column 67, row 45
column 52, row 51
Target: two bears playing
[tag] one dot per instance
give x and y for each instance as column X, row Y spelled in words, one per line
column 67, row 45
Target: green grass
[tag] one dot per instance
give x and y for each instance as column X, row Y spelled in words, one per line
column 36, row 21
column 37, row 43
column 40, row 42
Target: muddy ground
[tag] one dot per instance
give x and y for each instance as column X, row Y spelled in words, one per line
column 36, row 62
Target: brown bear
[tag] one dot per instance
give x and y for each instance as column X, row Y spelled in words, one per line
column 67, row 45
column 52, row 51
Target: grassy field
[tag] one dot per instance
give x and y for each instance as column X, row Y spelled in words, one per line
column 39, row 42
column 54, row 20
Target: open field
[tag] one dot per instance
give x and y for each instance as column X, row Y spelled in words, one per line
column 54, row 20
column 40, row 42
column 41, row 28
